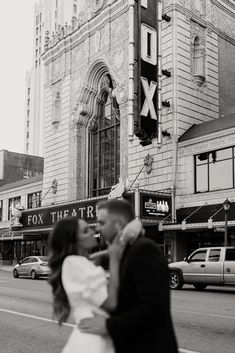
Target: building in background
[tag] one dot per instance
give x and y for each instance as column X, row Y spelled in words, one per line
column 28, row 192
column 88, row 122
column 17, row 166
column 49, row 15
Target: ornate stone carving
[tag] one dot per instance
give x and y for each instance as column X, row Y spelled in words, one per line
column 118, row 58
column 148, row 162
column 16, row 212
column 97, row 5
column 198, row 53
column 95, row 43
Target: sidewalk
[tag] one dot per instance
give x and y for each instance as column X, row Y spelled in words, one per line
column 6, row 268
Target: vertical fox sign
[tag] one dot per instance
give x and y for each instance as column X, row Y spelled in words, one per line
column 146, row 118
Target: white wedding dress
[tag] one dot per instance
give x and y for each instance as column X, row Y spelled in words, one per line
column 86, row 287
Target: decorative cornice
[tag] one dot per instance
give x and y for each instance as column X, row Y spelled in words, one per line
column 84, row 31
column 203, row 22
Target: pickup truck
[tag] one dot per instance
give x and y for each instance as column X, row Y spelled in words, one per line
column 205, row 266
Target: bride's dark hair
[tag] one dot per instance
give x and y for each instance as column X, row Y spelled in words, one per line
column 63, row 242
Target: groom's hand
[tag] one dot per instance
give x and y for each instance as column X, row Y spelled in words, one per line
column 95, row 325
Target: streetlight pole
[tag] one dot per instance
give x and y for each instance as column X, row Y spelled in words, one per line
column 226, row 228
column 226, row 206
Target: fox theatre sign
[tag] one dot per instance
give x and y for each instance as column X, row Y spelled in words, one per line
column 48, row 216
column 146, row 73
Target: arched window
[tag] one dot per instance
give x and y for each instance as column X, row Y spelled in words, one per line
column 104, row 171
column 198, row 62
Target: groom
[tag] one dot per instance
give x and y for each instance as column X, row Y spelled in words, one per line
column 142, row 321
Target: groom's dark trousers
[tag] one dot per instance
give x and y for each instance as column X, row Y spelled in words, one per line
column 142, row 321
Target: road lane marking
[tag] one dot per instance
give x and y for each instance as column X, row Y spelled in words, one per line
column 204, row 314
column 64, row 324
column 34, row 317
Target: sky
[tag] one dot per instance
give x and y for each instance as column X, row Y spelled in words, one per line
column 16, row 38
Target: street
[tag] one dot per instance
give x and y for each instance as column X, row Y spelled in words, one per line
column 204, row 321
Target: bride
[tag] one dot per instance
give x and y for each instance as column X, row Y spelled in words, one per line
column 79, row 287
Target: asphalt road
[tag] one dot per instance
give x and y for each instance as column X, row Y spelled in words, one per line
column 204, row 321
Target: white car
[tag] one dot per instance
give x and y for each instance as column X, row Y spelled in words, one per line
column 205, row 266
column 32, row 266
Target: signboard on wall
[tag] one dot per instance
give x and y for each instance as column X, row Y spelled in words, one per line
column 146, row 120
column 48, row 216
column 155, row 206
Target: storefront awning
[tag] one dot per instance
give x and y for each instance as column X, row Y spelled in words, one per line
column 5, row 234
column 202, row 217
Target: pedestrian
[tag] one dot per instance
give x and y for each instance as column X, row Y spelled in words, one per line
column 79, row 287
column 141, row 322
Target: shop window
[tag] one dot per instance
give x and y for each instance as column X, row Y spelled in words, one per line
column 34, row 199
column 104, row 142
column 12, row 202
column 1, row 210
column 214, row 170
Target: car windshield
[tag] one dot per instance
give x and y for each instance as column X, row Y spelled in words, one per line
column 43, row 258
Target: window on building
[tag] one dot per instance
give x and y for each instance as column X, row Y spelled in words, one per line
column 28, row 91
column 11, row 203
column 37, row 19
column 27, row 135
column 55, row 14
column 36, row 63
column 27, row 146
column 36, row 41
column 28, row 111
column 34, row 199
column 105, row 148
column 27, row 173
column 28, row 102
column 215, row 170
column 75, row 8
column 36, row 53
column 40, row 17
column 27, row 123
column 37, row 31
column 1, row 210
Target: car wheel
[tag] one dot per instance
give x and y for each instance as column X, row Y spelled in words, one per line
column 200, row 286
column 33, row 274
column 15, row 273
column 175, row 280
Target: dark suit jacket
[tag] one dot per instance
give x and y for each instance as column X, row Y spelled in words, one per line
column 142, row 321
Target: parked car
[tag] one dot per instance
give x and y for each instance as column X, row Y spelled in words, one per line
column 33, row 266
column 205, row 266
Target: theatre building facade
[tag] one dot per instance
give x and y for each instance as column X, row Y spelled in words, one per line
column 89, row 115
